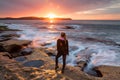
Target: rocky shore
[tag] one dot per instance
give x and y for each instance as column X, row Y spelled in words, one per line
column 19, row 61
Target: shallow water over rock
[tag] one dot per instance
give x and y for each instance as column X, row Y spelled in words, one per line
column 90, row 70
column 34, row 63
column 20, row 59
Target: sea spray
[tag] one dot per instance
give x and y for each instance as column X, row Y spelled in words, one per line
column 104, row 56
column 73, row 50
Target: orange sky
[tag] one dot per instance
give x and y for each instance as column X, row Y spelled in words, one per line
column 75, row 9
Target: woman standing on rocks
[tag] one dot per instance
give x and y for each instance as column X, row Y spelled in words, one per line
column 62, row 48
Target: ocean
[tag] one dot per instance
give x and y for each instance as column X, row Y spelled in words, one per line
column 96, row 40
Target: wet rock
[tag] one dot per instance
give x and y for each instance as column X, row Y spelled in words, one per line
column 10, row 35
column 108, row 42
column 109, row 72
column 81, row 64
column 6, row 54
column 2, row 28
column 50, row 52
column 14, row 45
column 91, row 70
column 26, row 51
column 45, row 44
column 41, row 27
column 34, row 63
column 4, row 39
column 20, row 59
column 14, row 48
column 69, row 27
column 17, row 42
column 5, row 28
column 98, row 72
column 14, row 55
column 85, row 54
column 2, row 48
column 73, row 48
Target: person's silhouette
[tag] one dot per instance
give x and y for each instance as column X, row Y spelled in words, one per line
column 62, row 48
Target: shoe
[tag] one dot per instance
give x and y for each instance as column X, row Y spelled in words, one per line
column 62, row 71
column 56, row 68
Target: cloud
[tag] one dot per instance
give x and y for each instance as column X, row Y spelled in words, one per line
column 29, row 7
column 112, row 9
column 9, row 5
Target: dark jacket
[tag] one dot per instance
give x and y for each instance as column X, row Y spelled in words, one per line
column 62, row 46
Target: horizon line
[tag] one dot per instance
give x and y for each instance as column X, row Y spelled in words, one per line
column 54, row 18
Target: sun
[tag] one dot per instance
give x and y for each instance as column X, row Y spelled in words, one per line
column 51, row 15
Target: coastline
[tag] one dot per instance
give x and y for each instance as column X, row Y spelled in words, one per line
column 46, row 70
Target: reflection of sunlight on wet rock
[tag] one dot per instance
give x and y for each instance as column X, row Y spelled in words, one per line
column 19, row 76
column 50, row 71
column 45, row 44
column 35, row 44
column 44, row 75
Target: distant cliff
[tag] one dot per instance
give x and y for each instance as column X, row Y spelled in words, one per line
column 32, row 18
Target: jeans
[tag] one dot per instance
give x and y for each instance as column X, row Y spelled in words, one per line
column 64, row 60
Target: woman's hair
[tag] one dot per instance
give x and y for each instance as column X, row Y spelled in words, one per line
column 63, row 35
